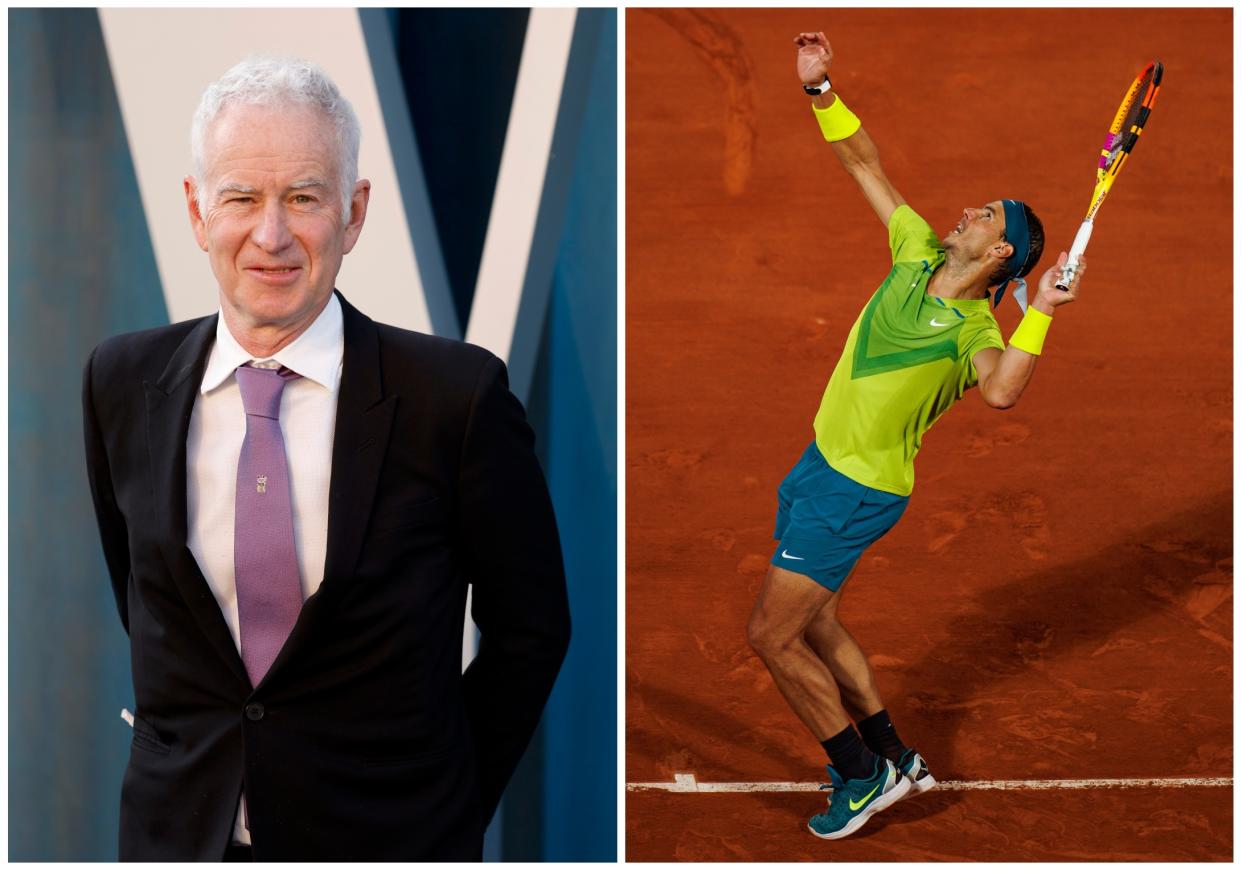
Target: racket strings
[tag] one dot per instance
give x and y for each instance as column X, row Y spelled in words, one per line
column 1133, row 116
column 1129, row 120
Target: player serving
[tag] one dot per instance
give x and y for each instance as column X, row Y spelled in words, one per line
column 924, row 338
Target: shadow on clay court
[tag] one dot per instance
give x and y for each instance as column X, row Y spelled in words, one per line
column 1064, row 615
column 696, row 715
column 913, row 809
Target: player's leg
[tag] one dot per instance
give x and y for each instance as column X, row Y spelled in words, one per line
column 823, row 523
column 863, row 783
column 787, row 603
column 846, row 661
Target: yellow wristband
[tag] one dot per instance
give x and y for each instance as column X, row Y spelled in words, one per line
column 837, row 122
column 1031, row 331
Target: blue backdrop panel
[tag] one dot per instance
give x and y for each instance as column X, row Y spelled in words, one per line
column 580, row 452
column 460, row 110
column 81, row 269
column 561, row 803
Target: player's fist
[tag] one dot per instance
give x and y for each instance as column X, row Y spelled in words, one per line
column 814, row 57
column 1049, row 296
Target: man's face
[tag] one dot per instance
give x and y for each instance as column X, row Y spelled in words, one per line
column 271, row 219
column 978, row 231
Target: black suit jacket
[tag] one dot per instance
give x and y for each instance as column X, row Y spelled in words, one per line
column 364, row 740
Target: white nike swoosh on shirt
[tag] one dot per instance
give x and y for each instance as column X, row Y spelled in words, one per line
column 939, row 325
column 785, row 554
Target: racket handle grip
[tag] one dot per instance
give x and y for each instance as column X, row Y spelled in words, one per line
column 1080, row 246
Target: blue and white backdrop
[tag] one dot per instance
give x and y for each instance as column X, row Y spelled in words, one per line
column 489, row 137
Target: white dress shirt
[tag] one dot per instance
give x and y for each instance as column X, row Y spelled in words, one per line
column 213, row 446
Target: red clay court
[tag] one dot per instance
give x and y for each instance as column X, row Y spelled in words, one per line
column 1056, row 604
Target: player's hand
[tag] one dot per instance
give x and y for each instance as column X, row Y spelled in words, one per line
column 1048, row 297
column 814, row 57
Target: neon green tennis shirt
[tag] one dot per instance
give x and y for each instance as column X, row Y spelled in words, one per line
column 907, row 360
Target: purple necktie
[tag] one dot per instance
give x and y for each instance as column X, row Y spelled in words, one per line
column 269, row 586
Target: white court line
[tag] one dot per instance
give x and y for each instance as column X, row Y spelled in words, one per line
column 687, row 783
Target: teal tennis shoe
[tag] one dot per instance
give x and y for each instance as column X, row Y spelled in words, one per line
column 853, row 802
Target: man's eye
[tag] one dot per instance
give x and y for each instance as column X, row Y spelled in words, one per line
column 303, row 198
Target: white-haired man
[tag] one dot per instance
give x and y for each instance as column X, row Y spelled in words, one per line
column 292, row 500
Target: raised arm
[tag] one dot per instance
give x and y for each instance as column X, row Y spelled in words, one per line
column 1003, row 376
column 857, row 152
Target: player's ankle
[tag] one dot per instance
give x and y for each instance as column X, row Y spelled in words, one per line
column 881, row 737
column 850, row 756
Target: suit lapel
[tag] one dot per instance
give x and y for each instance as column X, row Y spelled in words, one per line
column 363, row 422
column 170, row 400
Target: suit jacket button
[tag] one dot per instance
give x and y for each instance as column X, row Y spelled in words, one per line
column 254, row 712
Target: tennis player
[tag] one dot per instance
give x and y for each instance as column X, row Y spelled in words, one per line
column 924, row 338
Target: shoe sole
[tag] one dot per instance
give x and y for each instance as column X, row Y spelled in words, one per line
column 885, row 801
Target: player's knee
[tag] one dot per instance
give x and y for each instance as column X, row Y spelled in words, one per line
column 767, row 639
column 755, row 635
column 827, row 628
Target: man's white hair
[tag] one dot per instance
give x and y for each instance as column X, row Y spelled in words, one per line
column 279, row 82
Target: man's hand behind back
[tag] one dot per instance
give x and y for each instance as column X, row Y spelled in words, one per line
column 814, row 57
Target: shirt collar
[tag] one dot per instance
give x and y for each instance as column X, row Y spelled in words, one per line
column 975, row 304
column 315, row 354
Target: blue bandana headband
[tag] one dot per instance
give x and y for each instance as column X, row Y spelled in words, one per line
column 1018, row 234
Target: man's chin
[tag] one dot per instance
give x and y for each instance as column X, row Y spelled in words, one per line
column 276, row 307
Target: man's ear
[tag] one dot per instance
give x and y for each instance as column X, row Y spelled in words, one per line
column 197, row 222
column 357, row 213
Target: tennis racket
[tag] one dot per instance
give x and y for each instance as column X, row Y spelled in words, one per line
column 1122, row 135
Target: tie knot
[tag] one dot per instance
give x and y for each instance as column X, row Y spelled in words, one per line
column 261, row 389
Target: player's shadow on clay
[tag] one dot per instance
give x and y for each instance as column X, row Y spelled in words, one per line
column 1037, row 623
column 911, row 809
column 710, row 762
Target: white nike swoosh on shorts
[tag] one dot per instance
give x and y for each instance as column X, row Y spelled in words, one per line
column 785, row 554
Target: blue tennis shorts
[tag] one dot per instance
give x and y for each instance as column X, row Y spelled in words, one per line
column 824, row 520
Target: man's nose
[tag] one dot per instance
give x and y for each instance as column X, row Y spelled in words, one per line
column 272, row 232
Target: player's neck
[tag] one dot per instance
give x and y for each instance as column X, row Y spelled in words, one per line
column 955, row 281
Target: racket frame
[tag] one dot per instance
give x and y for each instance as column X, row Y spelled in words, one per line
column 1121, row 142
